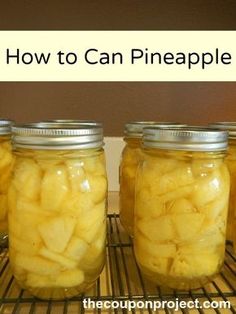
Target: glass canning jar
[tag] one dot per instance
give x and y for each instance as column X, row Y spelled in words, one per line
column 6, row 167
column 231, row 162
column 181, row 205
column 57, row 209
column 131, row 156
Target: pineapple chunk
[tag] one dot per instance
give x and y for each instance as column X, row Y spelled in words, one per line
column 55, row 187
column 76, row 174
column 24, row 247
column 181, row 206
column 182, row 192
column 37, row 265
column 203, row 167
column 27, row 179
column 66, row 279
column 77, row 204
column 56, row 232
column 195, row 265
column 207, row 189
column 187, row 226
column 65, row 262
column 173, row 180
column 90, row 222
column 97, row 187
column 95, row 165
column 158, row 265
column 152, row 249
column 70, row 278
column 76, row 248
column 3, row 207
column 159, row 229
column 148, row 205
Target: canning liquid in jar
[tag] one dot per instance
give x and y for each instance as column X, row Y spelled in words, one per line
column 130, row 159
column 231, row 163
column 182, row 192
column 57, row 210
column 6, row 167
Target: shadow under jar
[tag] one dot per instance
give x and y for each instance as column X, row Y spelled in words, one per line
column 57, row 209
column 130, row 159
column 6, row 168
column 181, row 205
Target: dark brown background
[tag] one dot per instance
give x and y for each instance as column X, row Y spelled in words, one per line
column 116, row 103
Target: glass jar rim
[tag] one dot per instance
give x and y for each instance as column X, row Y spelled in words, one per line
column 188, row 138
column 57, row 136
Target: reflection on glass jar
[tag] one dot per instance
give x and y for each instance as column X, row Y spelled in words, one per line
column 182, row 192
column 57, row 210
column 6, row 167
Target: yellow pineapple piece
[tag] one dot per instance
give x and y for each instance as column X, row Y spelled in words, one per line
column 207, row 189
column 23, row 246
column 65, row 262
column 95, row 165
column 148, row 205
column 66, row 279
column 195, row 265
column 56, row 232
column 54, row 188
column 37, row 265
column 70, row 278
column 76, row 248
column 77, row 205
column 203, row 167
column 97, row 187
column 187, row 226
column 182, row 192
column 152, row 249
column 90, row 222
column 173, row 180
column 181, row 206
column 27, row 179
column 76, row 174
column 159, row 229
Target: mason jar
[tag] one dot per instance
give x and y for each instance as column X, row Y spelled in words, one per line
column 130, row 159
column 57, row 209
column 231, row 162
column 6, row 167
column 182, row 193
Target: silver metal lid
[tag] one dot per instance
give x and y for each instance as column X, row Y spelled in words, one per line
column 227, row 126
column 57, row 136
column 189, row 139
column 135, row 129
column 74, row 122
column 5, row 126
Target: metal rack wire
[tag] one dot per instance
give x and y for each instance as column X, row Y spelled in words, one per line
column 120, row 280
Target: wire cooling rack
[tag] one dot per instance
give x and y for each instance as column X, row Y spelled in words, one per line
column 120, row 280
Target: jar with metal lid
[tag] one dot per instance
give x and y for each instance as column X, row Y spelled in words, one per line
column 57, row 209
column 6, row 167
column 130, row 159
column 231, row 162
column 181, row 204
